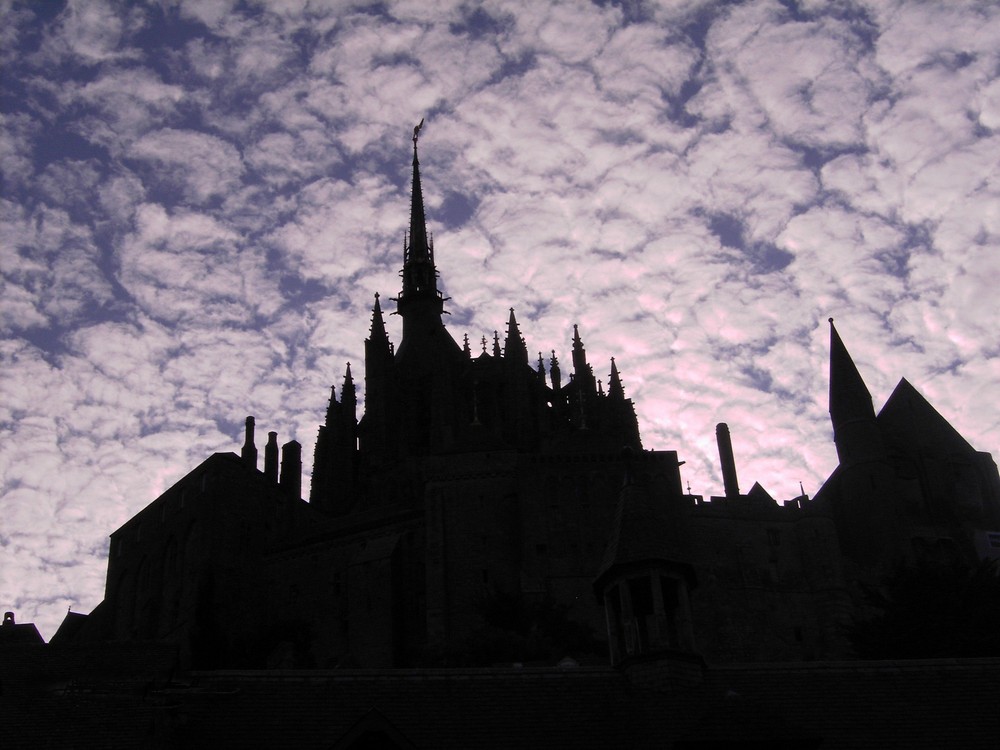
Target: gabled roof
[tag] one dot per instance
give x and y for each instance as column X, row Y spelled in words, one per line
column 909, row 422
column 70, row 627
column 19, row 633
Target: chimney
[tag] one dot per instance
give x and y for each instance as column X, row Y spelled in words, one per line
column 728, row 462
column 291, row 469
column 249, row 452
column 271, row 457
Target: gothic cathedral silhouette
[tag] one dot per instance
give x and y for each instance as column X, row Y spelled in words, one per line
column 486, row 509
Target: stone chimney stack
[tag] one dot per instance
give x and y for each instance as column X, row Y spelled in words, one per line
column 271, row 457
column 291, row 469
column 728, row 462
column 249, row 452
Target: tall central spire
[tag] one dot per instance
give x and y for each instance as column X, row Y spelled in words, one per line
column 420, row 303
column 418, row 248
column 419, row 272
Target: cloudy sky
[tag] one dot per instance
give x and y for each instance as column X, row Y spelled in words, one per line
column 200, row 199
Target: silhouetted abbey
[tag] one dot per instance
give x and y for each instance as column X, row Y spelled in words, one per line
column 478, row 478
column 472, row 473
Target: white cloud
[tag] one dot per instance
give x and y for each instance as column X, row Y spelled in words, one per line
column 52, row 261
column 196, row 218
column 202, row 166
column 90, row 31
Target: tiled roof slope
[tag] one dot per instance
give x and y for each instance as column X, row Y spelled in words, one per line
column 907, row 418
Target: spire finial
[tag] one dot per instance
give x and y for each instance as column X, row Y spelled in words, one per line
column 615, row 390
column 419, row 273
column 349, row 392
column 377, row 329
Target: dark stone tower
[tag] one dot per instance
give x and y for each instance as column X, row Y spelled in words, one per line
column 864, row 510
column 851, row 412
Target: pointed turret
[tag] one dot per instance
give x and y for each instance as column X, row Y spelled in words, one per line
column 377, row 432
column 496, row 345
column 863, row 500
column 377, row 334
column 515, row 350
column 332, row 408
column 334, row 461
column 378, row 354
column 555, row 374
column 849, row 396
column 349, row 394
column 579, row 353
column 854, row 430
column 615, row 390
column 583, row 375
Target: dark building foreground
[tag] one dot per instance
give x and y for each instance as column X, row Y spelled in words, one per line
column 131, row 695
column 489, row 557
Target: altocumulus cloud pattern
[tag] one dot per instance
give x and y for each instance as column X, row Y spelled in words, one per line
column 200, row 199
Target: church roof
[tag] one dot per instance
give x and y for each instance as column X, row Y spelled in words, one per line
column 908, row 421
